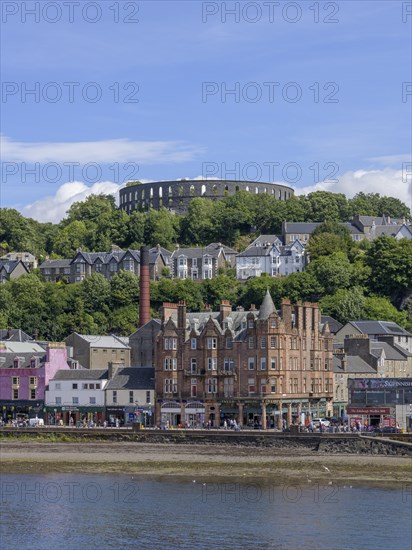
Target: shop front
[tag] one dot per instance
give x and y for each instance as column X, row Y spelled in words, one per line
column 21, row 410
column 194, row 415
column 117, row 417
column 74, row 416
column 361, row 418
column 170, row 414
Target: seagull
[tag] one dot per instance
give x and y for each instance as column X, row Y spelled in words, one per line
column 326, row 468
column 194, row 481
column 330, row 483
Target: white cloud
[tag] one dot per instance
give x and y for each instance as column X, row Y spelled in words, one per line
column 53, row 208
column 388, row 182
column 105, row 151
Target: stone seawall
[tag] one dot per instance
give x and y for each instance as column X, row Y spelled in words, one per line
column 392, row 444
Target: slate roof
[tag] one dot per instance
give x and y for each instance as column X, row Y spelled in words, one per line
column 10, row 265
column 390, row 352
column 50, row 264
column 267, row 307
column 196, row 252
column 105, row 341
column 334, row 325
column 379, row 327
column 354, row 364
column 133, row 378
column 22, row 347
column 265, row 250
column 218, row 246
column 82, row 374
column 14, row 335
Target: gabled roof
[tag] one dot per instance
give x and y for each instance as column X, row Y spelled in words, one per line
column 391, row 353
column 10, row 265
column 133, row 378
column 301, row 227
column 217, row 246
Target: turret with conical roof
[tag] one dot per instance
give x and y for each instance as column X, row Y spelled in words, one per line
column 267, row 307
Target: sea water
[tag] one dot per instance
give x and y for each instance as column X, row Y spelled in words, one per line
column 72, row 511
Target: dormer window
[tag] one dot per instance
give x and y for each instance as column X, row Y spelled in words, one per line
column 16, row 363
column 182, row 261
column 33, row 363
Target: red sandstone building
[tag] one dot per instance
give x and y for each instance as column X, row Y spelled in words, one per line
column 257, row 367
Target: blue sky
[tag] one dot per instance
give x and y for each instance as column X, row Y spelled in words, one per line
column 312, row 98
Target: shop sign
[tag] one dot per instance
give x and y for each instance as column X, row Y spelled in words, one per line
column 368, row 410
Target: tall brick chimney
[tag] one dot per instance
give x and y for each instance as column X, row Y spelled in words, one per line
column 144, row 305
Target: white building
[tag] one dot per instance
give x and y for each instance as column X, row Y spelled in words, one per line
column 268, row 255
column 76, row 396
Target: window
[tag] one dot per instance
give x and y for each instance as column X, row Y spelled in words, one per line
column 147, row 396
column 273, row 362
column 16, row 380
column 229, row 342
column 263, row 343
column 170, row 363
column 91, row 386
column 304, row 385
column 251, row 342
column 251, row 386
column 97, row 386
column 273, row 385
column 57, row 386
column 211, row 343
column 74, row 386
column 326, row 365
column 193, row 343
column 182, row 261
column 15, row 394
column 114, row 396
column 251, row 323
column 228, row 387
column 273, row 323
column 211, row 363
column 92, row 401
column 273, row 342
column 75, row 400
column 194, row 262
column 251, row 363
column 262, row 387
column 228, row 364
column 193, row 388
column 193, row 365
column 33, row 393
column 263, row 363
column 211, row 385
column 168, row 385
column 131, row 399
column 32, row 363
column 58, row 400
column 85, row 386
column 16, row 363
column 174, row 386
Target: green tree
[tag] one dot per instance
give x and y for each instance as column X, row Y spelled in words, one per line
column 124, row 290
column 326, row 206
column 69, row 238
column 254, row 290
column 221, row 288
column 95, row 293
column 161, row 227
column 302, row 286
column 345, row 305
column 390, row 262
column 198, row 225
column 332, row 272
column 379, row 308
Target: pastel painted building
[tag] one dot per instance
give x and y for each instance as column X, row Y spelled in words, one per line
column 25, row 371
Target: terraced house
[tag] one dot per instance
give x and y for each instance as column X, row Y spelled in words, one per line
column 83, row 264
column 258, row 367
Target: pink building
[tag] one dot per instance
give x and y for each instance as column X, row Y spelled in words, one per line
column 25, row 371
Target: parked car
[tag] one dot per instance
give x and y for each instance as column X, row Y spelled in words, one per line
column 324, row 421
